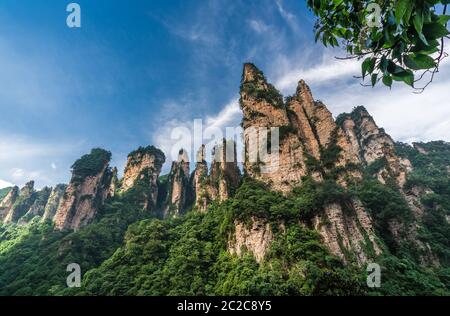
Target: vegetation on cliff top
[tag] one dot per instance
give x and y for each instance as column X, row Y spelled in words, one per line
column 91, row 164
column 4, row 192
column 136, row 155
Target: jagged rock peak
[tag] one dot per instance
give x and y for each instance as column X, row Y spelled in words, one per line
column 22, row 204
column 86, row 192
column 252, row 74
column 147, row 158
column 201, row 189
column 54, row 201
column 201, row 154
column 303, row 93
column 7, row 203
column 179, row 192
column 37, row 208
column 141, row 175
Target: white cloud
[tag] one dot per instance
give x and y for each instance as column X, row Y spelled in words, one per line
column 23, row 159
column 176, row 134
column 329, row 69
column 287, row 16
column 259, row 26
column 5, row 184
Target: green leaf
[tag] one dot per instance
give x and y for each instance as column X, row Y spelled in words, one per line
column 443, row 19
column 418, row 22
column 419, row 61
column 434, row 30
column 400, row 9
column 373, row 79
column 368, row 66
column 406, row 76
column 394, row 68
column 387, row 80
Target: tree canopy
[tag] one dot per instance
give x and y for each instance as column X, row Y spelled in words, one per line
column 401, row 40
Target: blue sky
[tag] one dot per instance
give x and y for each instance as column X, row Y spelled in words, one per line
column 137, row 69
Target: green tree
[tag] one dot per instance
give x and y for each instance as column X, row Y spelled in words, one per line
column 398, row 40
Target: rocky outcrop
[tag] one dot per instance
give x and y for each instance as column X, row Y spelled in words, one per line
column 40, row 200
column 255, row 238
column 264, row 114
column 53, row 202
column 7, row 203
column 178, row 193
column 22, row 204
column 373, row 145
column 307, row 132
column 86, row 192
column 225, row 174
column 141, row 176
column 223, row 179
column 200, row 182
column 348, row 232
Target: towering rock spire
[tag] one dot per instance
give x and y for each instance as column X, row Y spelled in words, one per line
column 141, row 176
column 371, row 143
column 22, row 203
column 199, row 181
column 225, row 173
column 86, row 191
column 37, row 208
column 53, row 202
column 223, row 179
column 7, row 203
column 263, row 109
column 178, row 193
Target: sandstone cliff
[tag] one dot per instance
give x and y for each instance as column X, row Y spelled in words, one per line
column 22, row 204
column 256, row 238
column 86, row 192
column 178, row 191
column 199, row 182
column 40, row 199
column 312, row 143
column 53, row 202
column 7, row 202
column 141, row 176
column 223, row 178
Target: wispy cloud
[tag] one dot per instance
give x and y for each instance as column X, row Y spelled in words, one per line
column 5, row 184
column 259, row 26
column 23, row 159
column 176, row 134
column 289, row 17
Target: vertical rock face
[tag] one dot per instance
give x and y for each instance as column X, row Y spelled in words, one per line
column 349, row 233
column 53, row 202
column 225, row 174
column 263, row 109
column 308, row 132
column 86, row 192
column 22, row 204
column 7, row 203
column 256, row 239
column 114, row 183
column 178, row 195
column 306, row 129
column 372, row 145
column 40, row 200
column 199, row 181
column 223, row 179
column 141, row 176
